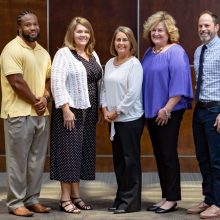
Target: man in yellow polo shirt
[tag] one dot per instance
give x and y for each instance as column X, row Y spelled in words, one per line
column 25, row 82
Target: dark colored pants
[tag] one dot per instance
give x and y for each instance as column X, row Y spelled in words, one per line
column 164, row 140
column 126, row 159
column 207, row 143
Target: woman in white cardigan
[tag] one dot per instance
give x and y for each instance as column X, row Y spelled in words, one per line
column 121, row 101
column 76, row 71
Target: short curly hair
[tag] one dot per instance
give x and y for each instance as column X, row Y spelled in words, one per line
column 169, row 22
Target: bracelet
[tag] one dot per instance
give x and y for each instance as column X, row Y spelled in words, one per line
column 168, row 114
column 47, row 98
column 118, row 112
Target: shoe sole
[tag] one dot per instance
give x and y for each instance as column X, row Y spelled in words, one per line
column 27, row 215
column 196, row 213
column 210, row 217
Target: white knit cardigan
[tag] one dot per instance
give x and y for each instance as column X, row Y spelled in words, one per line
column 69, row 80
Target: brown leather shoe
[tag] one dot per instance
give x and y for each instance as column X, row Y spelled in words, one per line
column 211, row 212
column 39, row 208
column 198, row 208
column 22, row 211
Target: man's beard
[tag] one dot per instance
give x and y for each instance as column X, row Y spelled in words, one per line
column 29, row 38
column 209, row 36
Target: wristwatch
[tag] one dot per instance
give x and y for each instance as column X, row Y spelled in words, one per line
column 47, row 97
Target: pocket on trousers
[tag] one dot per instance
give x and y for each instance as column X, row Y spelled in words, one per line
column 15, row 122
column 215, row 109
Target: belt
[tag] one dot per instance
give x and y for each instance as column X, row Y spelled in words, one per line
column 208, row 104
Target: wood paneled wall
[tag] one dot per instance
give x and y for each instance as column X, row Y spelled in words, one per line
column 185, row 12
column 105, row 17
column 11, row 8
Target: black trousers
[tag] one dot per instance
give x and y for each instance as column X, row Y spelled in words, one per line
column 164, row 140
column 126, row 159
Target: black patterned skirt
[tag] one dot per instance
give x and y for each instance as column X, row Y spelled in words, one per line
column 73, row 153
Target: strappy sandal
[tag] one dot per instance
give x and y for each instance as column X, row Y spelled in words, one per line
column 80, row 204
column 69, row 207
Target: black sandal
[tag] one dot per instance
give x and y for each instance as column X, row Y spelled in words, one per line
column 80, row 204
column 69, row 207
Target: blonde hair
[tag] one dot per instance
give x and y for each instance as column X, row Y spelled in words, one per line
column 169, row 23
column 130, row 35
column 69, row 36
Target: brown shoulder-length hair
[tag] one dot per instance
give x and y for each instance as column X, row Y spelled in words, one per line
column 169, row 23
column 130, row 35
column 69, row 36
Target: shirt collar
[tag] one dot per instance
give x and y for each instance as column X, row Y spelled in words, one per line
column 213, row 42
column 23, row 44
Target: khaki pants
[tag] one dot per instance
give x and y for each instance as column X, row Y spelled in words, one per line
column 26, row 140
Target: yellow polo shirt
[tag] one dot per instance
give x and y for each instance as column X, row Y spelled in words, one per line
column 34, row 65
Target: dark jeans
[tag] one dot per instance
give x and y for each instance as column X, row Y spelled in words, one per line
column 127, row 166
column 207, row 143
column 164, row 141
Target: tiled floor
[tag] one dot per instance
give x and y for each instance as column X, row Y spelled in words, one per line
column 100, row 194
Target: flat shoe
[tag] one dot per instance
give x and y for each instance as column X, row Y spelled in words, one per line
column 22, row 211
column 171, row 209
column 112, row 209
column 120, row 211
column 152, row 208
column 212, row 212
column 202, row 206
column 38, row 208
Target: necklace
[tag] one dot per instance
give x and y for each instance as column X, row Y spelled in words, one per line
column 118, row 62
column 156, row 51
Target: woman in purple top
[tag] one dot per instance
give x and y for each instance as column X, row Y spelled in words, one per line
column 167, row 92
